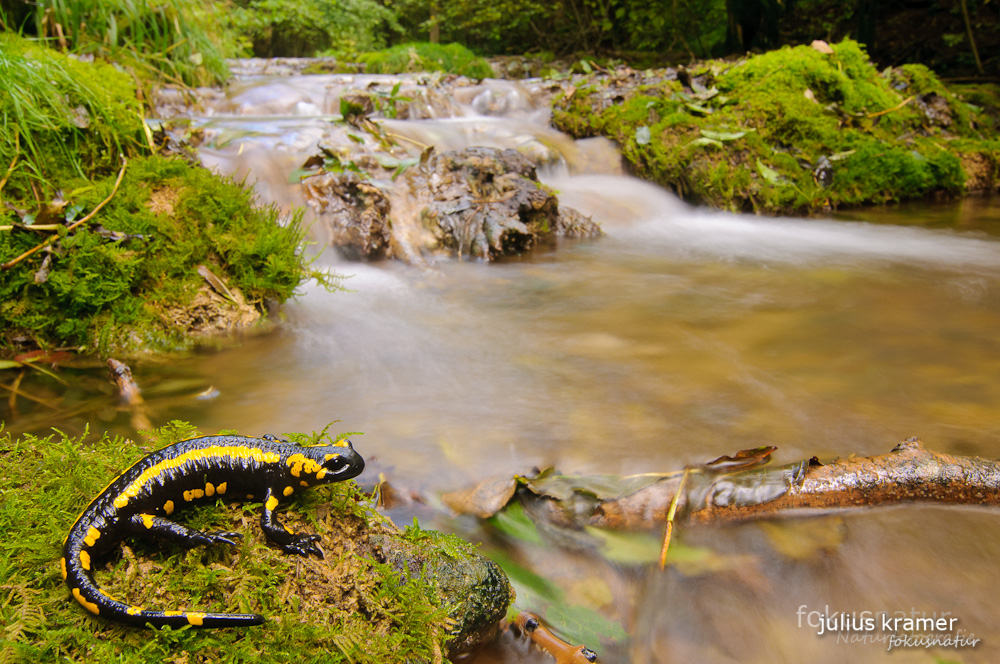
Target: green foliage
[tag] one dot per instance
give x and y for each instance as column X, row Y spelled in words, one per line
column 791, row 130
column 113, row 293
column 423, row 56
column 296, row 28
column 168, row 39
column 45, row 482
column 569, row 26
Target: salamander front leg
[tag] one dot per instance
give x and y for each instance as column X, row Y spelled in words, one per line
column 283, row 536
column 149, row 524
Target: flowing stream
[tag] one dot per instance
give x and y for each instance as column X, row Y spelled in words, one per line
column 682, row 335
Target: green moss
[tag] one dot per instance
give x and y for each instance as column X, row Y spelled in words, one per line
column 109, row 293
column 348, row 608
column 790, row 130
column 424, row 57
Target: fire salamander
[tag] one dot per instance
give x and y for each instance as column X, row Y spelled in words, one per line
column 139, row 501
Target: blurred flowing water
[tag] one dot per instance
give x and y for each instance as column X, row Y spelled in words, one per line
column 682, row 335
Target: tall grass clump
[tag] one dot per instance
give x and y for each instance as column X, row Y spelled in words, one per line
column 166, row 39
column 61, row 118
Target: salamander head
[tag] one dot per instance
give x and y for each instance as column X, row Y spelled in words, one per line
column 340, row 462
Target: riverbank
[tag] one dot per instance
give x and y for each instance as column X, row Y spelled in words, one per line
column 792, row 131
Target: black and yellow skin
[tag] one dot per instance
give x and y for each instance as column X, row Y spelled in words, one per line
column 140, row 500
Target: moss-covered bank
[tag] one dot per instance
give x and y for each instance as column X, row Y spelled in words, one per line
column 360, row 604
column 127, row 280
column 793, row 130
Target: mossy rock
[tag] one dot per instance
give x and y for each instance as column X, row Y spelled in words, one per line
column 419, row 57
column 129, row 281
column 792, row 130
column 378, row 595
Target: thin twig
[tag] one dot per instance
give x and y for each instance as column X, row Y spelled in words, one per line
column 18, row 392
column 972, row 38
column 894, row 108
column 121, row 174
column 668, row 530
column 13, row 393
column 13, row 163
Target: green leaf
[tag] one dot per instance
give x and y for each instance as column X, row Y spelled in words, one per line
column 9, row 364
column 723, row 135
column 627, row 548
column 698, row 109
column 513, row 522
column 769, row 174
column 643, row 135
column 704, row 140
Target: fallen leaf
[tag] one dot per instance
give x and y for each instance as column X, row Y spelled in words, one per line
column 742, row 459
column 485, row 499
column 821, row 46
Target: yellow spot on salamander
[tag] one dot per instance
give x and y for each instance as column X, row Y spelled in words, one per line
column 62, row 564
column 193, row 494
column 330, row 456
column 90, row 606
column 92, row 536
column 321, row 473
column 85, row 559
column 173, row 613
column 168, row 507
column 195, row 618
column 221, row 488
column 288, row 530
column 251, row 454
column 134, row 610
column 271, row 503
column 304, row 483
column 288, row 491
column 209, row 489
column 300, row 463
column 147, row 520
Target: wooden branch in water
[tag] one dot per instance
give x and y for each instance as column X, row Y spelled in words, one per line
column 131, row 395
column 909, row 473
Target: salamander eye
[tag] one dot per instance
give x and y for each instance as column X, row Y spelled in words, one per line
column 342, row 462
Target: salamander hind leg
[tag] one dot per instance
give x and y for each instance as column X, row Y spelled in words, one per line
column 290, row 542
column 149, row 524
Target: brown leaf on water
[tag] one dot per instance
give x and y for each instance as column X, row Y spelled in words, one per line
column 743, row 459
column 44, row 356
column 485, row 499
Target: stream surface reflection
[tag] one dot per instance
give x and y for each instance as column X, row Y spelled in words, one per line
column 680, row 336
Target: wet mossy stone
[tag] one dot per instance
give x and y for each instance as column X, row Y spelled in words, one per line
column 474, row 587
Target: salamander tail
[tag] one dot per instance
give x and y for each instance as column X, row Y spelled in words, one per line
column 91, row 597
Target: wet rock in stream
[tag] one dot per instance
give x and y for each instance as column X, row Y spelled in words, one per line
column 479, row 203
